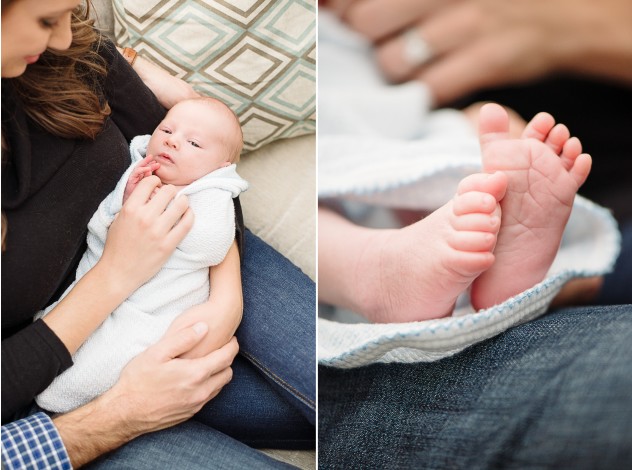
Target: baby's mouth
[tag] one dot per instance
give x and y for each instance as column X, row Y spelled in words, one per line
column 166, row 157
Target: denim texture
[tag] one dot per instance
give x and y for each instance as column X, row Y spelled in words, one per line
column 271, row 400
column 252, row 411
column 552, row 393
column 278, row 331
column 188, row 446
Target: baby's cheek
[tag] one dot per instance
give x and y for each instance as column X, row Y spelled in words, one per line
column 151, row 145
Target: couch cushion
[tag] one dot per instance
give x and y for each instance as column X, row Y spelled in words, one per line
column 258, row 56
column 280, row 205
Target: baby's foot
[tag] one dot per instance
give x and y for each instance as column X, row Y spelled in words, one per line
column 417, row 272
column 545, row 168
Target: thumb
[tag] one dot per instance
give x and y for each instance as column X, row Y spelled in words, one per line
column 177, row 343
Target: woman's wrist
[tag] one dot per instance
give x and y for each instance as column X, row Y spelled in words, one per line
column 168, row 89
column 130, row 55
column 111, row 283
column 91, row 300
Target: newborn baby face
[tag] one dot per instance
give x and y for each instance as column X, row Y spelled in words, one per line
column 192, row 141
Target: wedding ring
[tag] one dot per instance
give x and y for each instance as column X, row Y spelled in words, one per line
column 416, row 50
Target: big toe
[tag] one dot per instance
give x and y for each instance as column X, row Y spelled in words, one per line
column 493, row 123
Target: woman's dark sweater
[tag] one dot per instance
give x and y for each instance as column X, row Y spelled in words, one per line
column 51, row 186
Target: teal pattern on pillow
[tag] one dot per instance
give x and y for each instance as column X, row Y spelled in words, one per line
column 258, row 56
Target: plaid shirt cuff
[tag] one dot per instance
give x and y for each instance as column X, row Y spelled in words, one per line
column 33, row 443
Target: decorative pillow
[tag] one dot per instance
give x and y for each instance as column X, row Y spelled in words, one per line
column 257, row 56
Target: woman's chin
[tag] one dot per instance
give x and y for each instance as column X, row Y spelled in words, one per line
column 13, row 70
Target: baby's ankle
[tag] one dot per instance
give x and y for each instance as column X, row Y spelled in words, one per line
column 373, row 271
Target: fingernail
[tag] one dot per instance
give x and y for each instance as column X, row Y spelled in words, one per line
column 200, row 328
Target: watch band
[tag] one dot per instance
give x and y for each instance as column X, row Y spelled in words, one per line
column 130, row 55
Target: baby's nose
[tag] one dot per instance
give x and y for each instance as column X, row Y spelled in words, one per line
column 171, row 142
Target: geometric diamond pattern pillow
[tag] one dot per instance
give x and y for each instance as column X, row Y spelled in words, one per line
column 257, row 56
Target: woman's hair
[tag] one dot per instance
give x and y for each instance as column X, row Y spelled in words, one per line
column 61, row 91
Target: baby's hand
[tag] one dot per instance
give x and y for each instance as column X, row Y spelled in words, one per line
column 145, row 168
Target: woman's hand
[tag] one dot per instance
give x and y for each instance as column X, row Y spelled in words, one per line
column 144, row 234
column 478, row 44
column 157, row 389
column 168, row 89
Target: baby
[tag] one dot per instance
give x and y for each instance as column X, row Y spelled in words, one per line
column 194, row 148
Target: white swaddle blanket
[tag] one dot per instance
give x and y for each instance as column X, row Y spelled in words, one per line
column 144, row 317
column 382, row 145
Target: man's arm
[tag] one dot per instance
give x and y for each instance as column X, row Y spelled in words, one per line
column 32, row 443
column 223, row 310
column 156, row 390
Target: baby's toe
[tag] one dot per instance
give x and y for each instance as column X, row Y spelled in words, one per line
column 558, row 136
column 470, row 264
column 476, row 222
column 473, row 202
column 472, row 241
column 491, row 183
column 539, row 127
column 581, row 168
column 571, row 150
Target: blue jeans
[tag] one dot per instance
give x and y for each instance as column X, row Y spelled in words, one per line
column 190, row 445
column 278, row 332
column 553, row 393
column 271, row 400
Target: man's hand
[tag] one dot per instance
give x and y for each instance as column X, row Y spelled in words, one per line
column 156, row 390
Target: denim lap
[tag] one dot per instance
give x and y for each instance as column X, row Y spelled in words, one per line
column 278, row 331
column 552, row 393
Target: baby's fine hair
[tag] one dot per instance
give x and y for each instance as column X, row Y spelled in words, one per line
column 235, row 147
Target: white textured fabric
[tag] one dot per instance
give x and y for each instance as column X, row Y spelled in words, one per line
column 143, row 318
column 382, row 145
